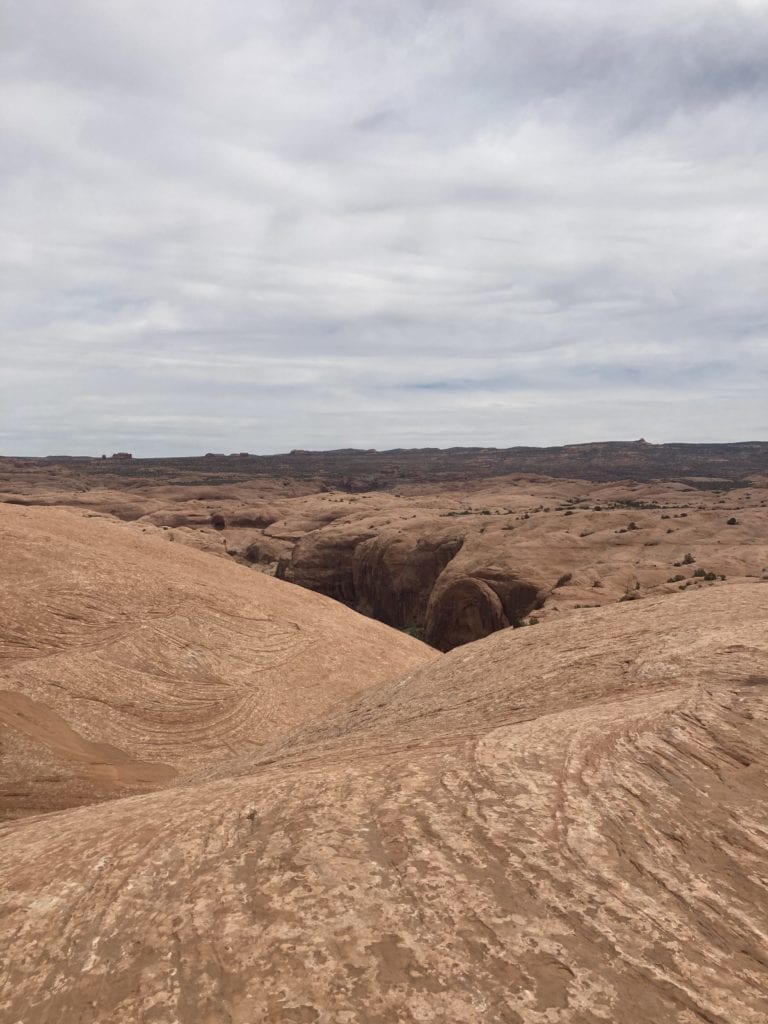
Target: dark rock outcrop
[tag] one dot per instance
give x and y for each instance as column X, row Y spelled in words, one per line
column 394, row 575
column 410, row 581
column 324, row 562
column 467, row 608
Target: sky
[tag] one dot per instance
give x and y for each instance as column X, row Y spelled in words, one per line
column 238, row 226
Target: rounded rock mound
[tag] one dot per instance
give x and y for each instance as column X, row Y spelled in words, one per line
column 562, row 824
column 126, row 660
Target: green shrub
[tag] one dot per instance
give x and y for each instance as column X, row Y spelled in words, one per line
column 416, row 632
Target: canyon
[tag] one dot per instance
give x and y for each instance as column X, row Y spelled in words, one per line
column 539, row 799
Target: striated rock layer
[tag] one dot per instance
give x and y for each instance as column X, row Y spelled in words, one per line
column 560, row 824
column 124, row 659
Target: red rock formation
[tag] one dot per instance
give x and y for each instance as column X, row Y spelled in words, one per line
column 126, row 659
column 565, row 824
column 465, row 608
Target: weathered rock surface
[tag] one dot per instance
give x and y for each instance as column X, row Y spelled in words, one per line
column 560, row 825
column 388, row 575
column 394, row 574
column 463, row 608
column 379, row 552
column 124, row 660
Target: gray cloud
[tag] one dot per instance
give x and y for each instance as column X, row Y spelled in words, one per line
column 241, row 226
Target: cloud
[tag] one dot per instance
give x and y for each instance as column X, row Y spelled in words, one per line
column 259, row 227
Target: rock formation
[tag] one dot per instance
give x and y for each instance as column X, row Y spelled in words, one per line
column 561, row 824
column 446, row 560
column 463, row 608
column 126, row 660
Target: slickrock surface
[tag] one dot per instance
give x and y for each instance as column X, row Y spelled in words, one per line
column 125, row 659
column 565, row 823
column 449, row 560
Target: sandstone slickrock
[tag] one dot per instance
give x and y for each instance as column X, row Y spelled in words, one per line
column 559, row 825
column 466, row 606
column 384, row 552
column 124, row 660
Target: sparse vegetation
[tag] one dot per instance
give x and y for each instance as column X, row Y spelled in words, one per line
column 417, row 632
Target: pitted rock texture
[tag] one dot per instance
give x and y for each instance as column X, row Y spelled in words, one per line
column 561, row 825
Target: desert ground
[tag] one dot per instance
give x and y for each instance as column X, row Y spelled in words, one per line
column 450, row 551
column 473, row 740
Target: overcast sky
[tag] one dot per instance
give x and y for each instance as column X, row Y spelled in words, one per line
column 229, row 225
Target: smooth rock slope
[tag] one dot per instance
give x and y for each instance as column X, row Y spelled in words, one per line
column 566, row 823
column 125, row 660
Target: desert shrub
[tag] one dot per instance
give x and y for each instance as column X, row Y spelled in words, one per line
column 415, row 631
column 676, row 578
column 733, row 521
column 565, row 578
column 688, row 559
